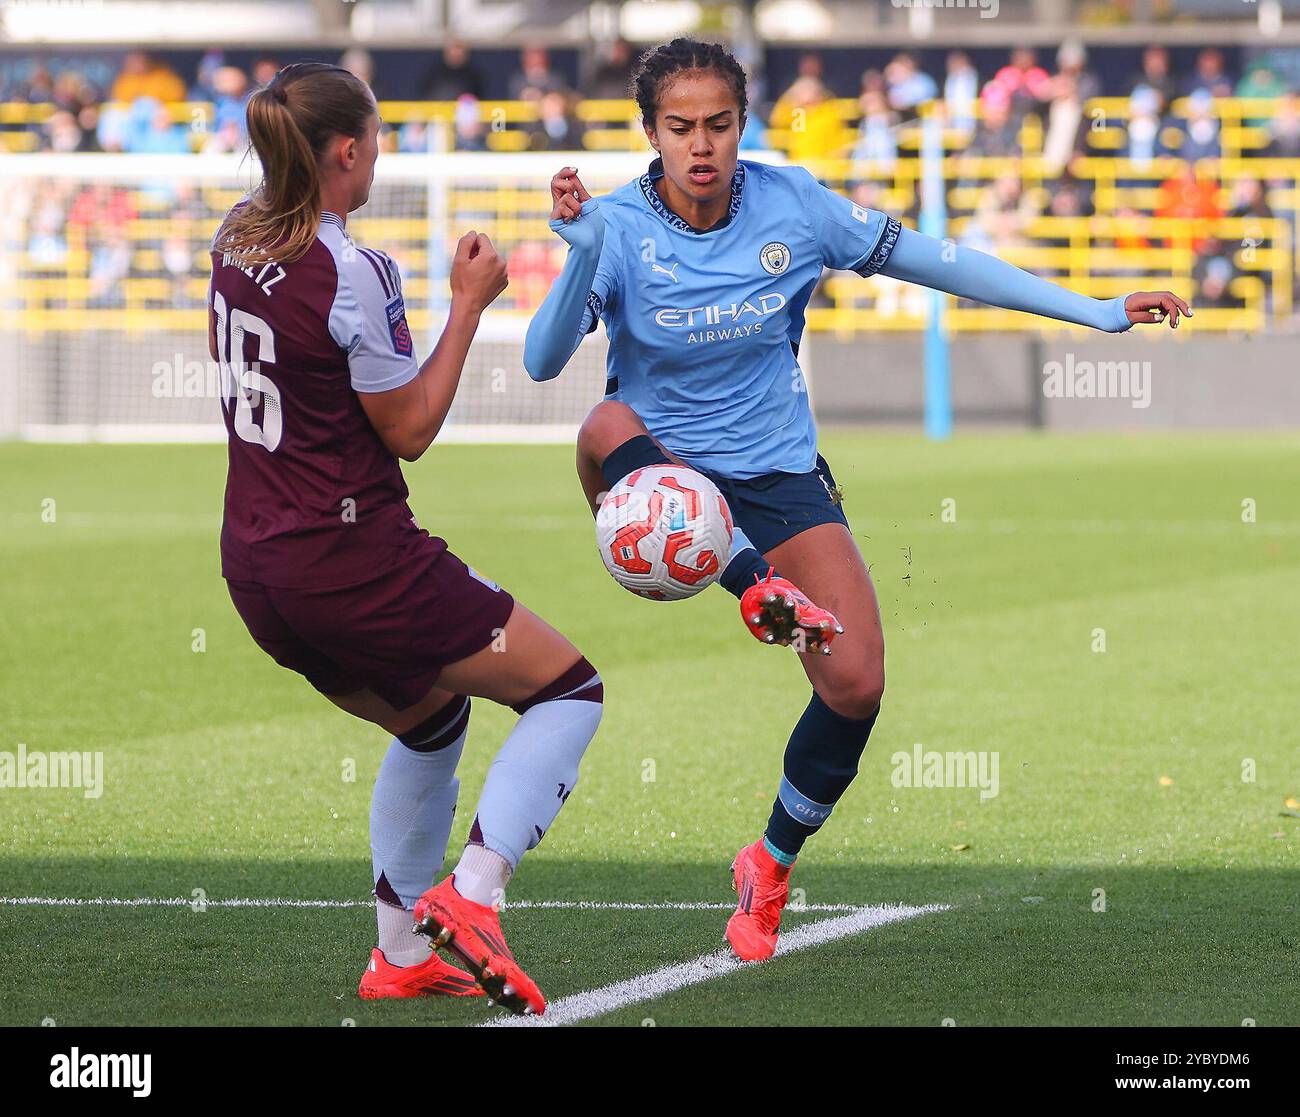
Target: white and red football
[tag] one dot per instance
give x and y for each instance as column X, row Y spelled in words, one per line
column 664, row 532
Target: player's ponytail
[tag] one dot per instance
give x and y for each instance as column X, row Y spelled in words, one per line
column 660, row 64
column 290, row 123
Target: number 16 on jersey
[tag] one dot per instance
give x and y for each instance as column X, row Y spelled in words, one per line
column 243, row 385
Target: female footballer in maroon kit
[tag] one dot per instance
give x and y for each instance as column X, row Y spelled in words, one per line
column 325, row 563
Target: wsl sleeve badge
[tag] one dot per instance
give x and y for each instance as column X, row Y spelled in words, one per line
column 398, row 329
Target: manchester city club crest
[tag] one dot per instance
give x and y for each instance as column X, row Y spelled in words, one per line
column 775, row 257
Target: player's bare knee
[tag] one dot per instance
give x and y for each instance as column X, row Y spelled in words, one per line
column 607, row 426
column 857, row 696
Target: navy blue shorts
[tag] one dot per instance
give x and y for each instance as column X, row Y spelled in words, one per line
column 777, row 506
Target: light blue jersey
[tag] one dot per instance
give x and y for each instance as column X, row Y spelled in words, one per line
column 704, row 326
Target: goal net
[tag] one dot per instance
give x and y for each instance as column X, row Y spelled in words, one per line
column 104, row 271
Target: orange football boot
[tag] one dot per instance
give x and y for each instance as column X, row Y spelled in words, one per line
column 763, row 885
column 776, row 611
column 472, row 933
column 430, row 978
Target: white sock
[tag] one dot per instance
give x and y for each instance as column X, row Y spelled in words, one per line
column 411, row 812
column 400, row 945
column 481, row 876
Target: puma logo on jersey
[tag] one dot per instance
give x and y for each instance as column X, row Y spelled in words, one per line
column 671, row 273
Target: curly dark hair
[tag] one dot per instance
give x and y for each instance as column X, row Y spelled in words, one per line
column 660, row 63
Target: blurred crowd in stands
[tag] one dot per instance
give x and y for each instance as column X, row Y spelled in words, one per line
column 134, row 110
column 128, row 112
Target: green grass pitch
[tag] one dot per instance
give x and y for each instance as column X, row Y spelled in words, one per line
column 1156, row 770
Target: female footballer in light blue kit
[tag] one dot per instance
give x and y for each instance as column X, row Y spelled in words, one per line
column 701, row 271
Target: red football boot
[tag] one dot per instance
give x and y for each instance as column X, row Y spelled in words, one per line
column 763, row 885
column 472, row 933
column 776, row 611
column 430, row 978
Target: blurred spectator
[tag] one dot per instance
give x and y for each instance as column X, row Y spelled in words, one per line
column 996, row 135
column 88, row 122
column 178, row 262
column 72, row 92
column 1155, row 75
column 1213, row 274
column 470, row 131
column 613, row 75
column 1069, row 198
column 452, row 75
column 814, row 127
column 1145, row 123
column 961, row 91
column 47, row 245
column 226, row 138
column 39, row 88
column 1260, row 80
column 1201, row 128
column 264, row 69
column 61, row 132
column 1003, row 213
column 535, row 76
column 1190, row 197
column 811, row 65
column 1067, row 128
column 908, row 86
column 878, row 133
column 1023, row 81
column 230, row 103
column 1210, row 75
column 359, row 62
column 101, row 208
column 145, row 76
column 1249, row 199
column 204, row 85
column 1284, row 129
column 153, row 131
column 1072, row 62
column 534, row 266
column 110, row 263
column 557, row 127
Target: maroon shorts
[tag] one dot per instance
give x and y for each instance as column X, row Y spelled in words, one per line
column 392, row 634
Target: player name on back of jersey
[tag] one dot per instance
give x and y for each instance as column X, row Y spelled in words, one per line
column 266, row 276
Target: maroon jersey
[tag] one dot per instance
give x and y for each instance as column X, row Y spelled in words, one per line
column 313, row 497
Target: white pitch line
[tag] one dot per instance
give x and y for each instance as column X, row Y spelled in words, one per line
column 511, row 905
column 668, row 979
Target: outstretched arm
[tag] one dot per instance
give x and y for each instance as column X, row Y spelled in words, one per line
column 969, row 274
column 561, row 322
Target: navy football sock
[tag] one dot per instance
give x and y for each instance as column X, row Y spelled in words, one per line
column 636, row 453
column 745, row 567
column 820, row 763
